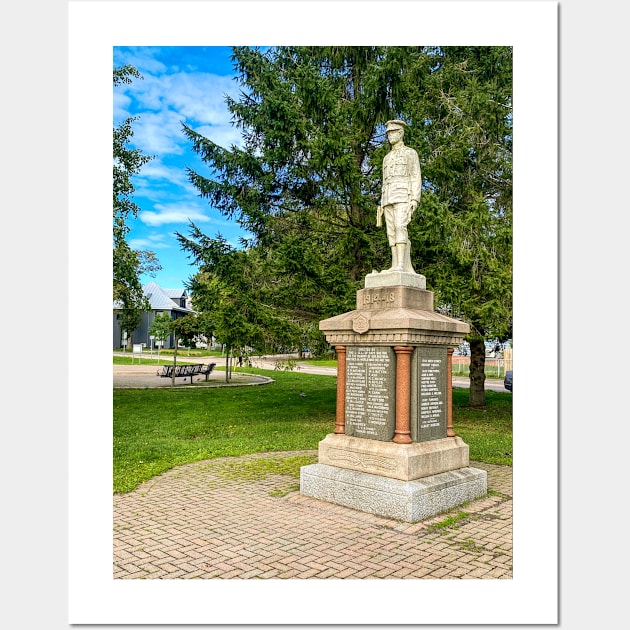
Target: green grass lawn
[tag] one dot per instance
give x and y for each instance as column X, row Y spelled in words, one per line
column 157, row 429
column 320, row 362
column 488, row 432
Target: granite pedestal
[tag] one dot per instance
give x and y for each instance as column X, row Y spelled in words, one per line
column 408, row 501
column 394, row 451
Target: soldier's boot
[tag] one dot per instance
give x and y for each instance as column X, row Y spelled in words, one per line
column 394, row 258
column 407, row 266
column 400, row 256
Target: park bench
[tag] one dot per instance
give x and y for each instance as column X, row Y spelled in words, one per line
column 185, row 371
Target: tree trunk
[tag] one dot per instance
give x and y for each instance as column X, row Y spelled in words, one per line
column 477, row 392
column 227, row 366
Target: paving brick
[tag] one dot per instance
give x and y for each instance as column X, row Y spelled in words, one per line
column 193, row 522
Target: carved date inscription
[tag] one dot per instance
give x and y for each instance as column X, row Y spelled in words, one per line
column 370, row 392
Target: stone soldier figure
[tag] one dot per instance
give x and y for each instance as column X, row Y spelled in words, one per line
column 400, row 196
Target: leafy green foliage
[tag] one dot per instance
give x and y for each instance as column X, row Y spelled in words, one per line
column 128, row 264
column 161, row 327
column 228, row 292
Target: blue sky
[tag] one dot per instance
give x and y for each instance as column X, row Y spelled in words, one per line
column 180, row 84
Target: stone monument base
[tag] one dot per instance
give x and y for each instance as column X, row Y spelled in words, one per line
column 389, row 278
column 408, row 501
column 398, row 461
column 394, row 452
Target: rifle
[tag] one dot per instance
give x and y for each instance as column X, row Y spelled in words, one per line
column 379, row 216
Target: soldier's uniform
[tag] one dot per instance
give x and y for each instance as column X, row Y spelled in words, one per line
column 401, row 184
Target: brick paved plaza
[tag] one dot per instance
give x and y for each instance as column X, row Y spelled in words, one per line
column 203, row 521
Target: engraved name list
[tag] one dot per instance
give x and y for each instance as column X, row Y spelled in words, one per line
column 370, row 392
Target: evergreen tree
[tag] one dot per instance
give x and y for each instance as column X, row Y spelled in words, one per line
column 307, row 180
column 463, row 235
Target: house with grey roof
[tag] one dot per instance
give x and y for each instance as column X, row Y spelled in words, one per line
column 175, row 302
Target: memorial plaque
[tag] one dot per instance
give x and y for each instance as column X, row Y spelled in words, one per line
column 428, row 393
column 370, row 392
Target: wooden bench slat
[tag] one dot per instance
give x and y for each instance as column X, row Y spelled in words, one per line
column 186, row 370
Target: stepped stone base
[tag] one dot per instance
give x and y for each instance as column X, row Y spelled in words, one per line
column 408, row 501
column 398, row 461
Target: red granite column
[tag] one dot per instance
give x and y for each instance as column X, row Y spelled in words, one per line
column 449, row 394
column 340, row 419
column 403, row 394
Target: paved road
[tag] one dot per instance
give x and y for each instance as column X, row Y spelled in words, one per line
column 269, row 363
column 143, row 375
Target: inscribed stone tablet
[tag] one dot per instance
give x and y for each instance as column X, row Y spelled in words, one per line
column 370, row 392
column 428, row 393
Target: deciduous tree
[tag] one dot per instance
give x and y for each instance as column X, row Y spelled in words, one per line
column 231, row 291
column 128, row 264
column 161, row 327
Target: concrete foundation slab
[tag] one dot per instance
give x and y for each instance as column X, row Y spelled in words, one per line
column 408, row 501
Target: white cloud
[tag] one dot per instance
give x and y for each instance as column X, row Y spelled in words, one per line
column 159, row 133
column 156, row 170
column 122, row 102
column 159, row 182
column 155, row 176
column 223, row 135
column 198, row 96
column 164, row 101
column 139, row 57
column 151, row 242
column 175, row 213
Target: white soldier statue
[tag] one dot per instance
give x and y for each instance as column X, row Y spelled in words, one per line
column 400, row 196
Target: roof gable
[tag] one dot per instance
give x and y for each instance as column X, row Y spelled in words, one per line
column 176, row 294
column 160, row 299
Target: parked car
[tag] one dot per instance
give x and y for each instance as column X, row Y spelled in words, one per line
column 507, row 381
